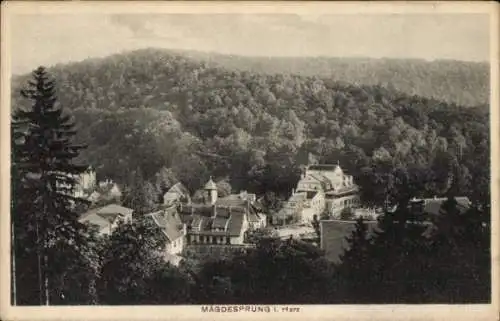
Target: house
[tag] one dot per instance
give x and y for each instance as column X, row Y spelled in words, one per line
column 109, row 190
column 432, row 206
column 85, row 182
column 291, row 210
column 106, row 218
column 245, row 200
column 173, row 229
column 339, row 189
column 218, row 221
column 314, row 205
column 177, row 193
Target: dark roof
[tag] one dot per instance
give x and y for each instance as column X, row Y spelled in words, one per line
column 322, row 167
column 229, row 211
column 235, row 224
column 198, row 209
column 219, row 222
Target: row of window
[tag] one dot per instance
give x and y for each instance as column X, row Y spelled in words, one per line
column 207, row 239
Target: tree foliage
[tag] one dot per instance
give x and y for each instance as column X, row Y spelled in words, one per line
column 43, row 177
column 199, row 119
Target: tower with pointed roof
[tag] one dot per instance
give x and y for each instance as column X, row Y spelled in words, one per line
column 210, row 191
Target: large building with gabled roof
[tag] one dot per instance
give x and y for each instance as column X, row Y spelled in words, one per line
column 338, row 187
column 321, row 188
column 220, row 221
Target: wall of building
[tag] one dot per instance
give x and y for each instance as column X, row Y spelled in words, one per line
column 176, row 247
column 336, row 205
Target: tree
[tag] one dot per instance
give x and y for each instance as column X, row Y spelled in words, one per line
column 140, row 195
column 399, row 255
column 223, row 188
column 355, row 267
column 133, row 269
column 461, row 239
column 44, row 176
column 165, row 179
column 316, row 226
column 347, row 214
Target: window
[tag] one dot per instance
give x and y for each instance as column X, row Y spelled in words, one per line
column 228, row 240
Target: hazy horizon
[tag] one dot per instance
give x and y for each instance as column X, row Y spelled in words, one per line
column 43, row 40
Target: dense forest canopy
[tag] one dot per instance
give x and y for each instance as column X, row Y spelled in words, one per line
column 460, row 82
column 152, row 110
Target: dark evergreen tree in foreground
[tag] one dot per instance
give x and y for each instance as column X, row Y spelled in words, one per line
column 461, row 253
column 355, row 267
column 43, row 181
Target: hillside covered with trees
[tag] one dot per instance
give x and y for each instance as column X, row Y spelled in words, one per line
column 460, row 82
column 151, row 111
column 408, row 259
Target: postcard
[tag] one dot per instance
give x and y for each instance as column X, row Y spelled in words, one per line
column 249, row 160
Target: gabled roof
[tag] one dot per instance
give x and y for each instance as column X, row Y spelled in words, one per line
column 177, row 189
column 95, row 219
column 207, row 217
column 235, row 225
column 323, row 167
column 114, row 209
column 169, row 222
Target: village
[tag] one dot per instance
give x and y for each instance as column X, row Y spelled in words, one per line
column 217, row 225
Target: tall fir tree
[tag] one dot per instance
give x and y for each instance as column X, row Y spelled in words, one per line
column 461, row 239
column 399, row 250
column 43, row 173
column 354, row 269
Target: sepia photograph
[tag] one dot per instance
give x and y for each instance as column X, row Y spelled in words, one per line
column 229, row 158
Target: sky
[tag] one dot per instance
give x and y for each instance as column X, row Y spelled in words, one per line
column 59, row 38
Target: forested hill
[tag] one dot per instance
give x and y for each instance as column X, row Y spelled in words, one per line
column 151, row 109
column 460, row 82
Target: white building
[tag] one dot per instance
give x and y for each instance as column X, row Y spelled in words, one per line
column 106, row 218
column 326, row 187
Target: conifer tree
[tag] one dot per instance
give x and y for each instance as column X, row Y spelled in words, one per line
column 399, row 251
column 355, row 267
column 461, row 239
column 44, row 174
